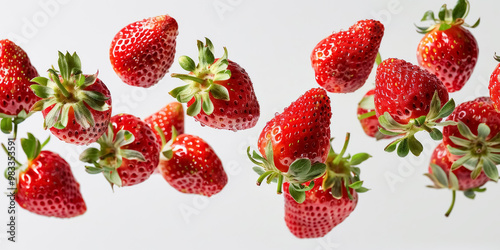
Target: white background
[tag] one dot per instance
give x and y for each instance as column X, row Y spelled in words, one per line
column 272, row 40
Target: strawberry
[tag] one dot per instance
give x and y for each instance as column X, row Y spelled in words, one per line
column 442, row 175
column 170, row 115
column 219, row 92
column 367, row 117
column 343, row 61
column 16, row 98
column 191, row 166
column 474, row 142
column 142, row 52
column 409, row 99
column 76, row 107
column 315, row 213
column 494, row 85
column 447, row 49
column 46, row 185
column 129, row 152
column 295, row 143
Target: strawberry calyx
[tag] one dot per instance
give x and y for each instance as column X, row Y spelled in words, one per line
column 447, row 18
column 449, row 180
column 341, row 171
column 300, row 172
column 65, row 90
column 167, row 150
column 110, row 156
column 408, row 143
column 203, row 79
column 476, row 152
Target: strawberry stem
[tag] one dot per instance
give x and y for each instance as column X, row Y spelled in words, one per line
column 454, row 192
column 10, row 155
column 263, row 176
column 366, row 115
column 280, row 184
column 162, row 135
column 339, row 157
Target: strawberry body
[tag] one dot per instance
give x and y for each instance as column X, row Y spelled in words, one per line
column 343, row 61
column 370, row 124
column 74, row 132
column 405, row 90
column 48, row 187
column 170, row 115
column 301, row 131
column 494, row 86
column 194, row 167
column 16, row 73
column 319, row 213
column 142, row 52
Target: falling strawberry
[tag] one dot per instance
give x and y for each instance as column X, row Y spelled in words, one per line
column 343, row 61
column 191, row 166
column 142, row 52
column 219, row 92
column 76, row 107
column 46, row 185
column 129, row 152
column 409, row 99
column 294, row 144
column 16, row 97
column 448, row 50
column 459, row 179
column 494, row 85
column 474, row 142
column 170, row 115
column 367, row 117
column 316, row 212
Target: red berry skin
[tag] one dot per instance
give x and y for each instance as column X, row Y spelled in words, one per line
column 242, row 111
column 465, row 182
column 74, row 133
column 133, row 172
column 319, row 213
column 170, row 115
column 449, row 54
column 16, row 73
column 47, row 187
column 405, row 90
column 142, row 52
column 194, row 168
column 343, row 61
column 472, row 113
column 301, row 131
column 494, row 87
column 370, row 125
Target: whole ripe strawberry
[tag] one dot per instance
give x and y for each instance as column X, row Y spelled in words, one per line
column 16, row 72
column 448, row 50
column 300, row 135
column 172, row 115
column 129, row 152
column 76, row 107
column 315, row 212
column 474, row 142
column 442, row 175
column 47, row 186
column 494, row 85
column 409, row 99
column 191, row 166
column 142, row 52
column 343, row 61
column 367, row 117
column 219, row 92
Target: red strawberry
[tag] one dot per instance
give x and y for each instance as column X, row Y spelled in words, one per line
column 343, row 61
column 16, row 72
column 301, row 132
column 459, row 179
column 76, row 107
column 474, row 141
column 170, row 115
column 409, row 99
column 448, row 50
column 191, row 166
column 494, row 85
column 367, row 117
column 142, row 52
column 219, row 93
column 129, row 152
column 47, row 185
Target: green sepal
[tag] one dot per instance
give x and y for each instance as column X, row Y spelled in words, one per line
column 460, row 10
column 113, row 178
column 195, row 107
column 6, row 125
column 219, row 92
column 187, row 63
column 359, row 158
column 90, row 155
column 298, row 195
